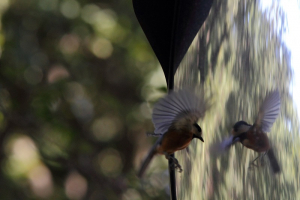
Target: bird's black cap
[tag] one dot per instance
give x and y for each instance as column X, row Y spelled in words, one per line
column 238, row 124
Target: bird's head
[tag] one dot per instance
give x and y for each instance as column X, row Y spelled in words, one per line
column 197, row 132
column 240, row 127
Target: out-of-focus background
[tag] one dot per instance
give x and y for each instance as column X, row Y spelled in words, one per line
column 78, row 80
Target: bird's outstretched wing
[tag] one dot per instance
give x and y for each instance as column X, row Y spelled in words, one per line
column 177, row 105
column 269, row 111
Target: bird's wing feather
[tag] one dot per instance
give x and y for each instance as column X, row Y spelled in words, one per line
column 269, row 111
column 219, row 148
column 177, row 105
column 226, row 144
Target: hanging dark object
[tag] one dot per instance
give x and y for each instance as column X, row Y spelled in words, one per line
column 170, row 26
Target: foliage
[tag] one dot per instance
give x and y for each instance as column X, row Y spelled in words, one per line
column 72, row 111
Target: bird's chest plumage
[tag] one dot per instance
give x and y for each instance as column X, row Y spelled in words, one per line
column 175, row 140
column 257, row 140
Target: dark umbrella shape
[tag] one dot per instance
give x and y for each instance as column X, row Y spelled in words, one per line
column 170, row 27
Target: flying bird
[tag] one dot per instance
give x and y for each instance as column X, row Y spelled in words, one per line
column 254, row 136
column 175, row 119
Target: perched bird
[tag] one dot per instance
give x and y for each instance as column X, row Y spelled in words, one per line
column 254, row 136
column 175, row 119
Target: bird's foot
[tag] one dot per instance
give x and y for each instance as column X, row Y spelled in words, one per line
column 175, row 164
column 252, row 165
column 260, row 161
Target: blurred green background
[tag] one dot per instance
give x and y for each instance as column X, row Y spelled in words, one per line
column 78, row 80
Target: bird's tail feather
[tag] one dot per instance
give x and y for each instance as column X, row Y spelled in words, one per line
column 273, row 161
column 149, row 157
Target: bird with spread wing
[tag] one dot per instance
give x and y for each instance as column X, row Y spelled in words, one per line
column 254, row 136
column 175, row 119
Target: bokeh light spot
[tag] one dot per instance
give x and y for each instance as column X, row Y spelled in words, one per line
column 24, row 149
column 75, row 186
column 70, row 8
column 88, row 12
column 3, row 4
column 110, row 162
column 23, row 156
column 105, row 20
column 69, row 43
column 131, row 194
column 105, row 128
column 102, row 48
column 57, row 73
column 73, row 90
column 40, row 180
column 83, row 108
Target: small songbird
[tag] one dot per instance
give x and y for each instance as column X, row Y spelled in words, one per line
column 175, row 119
column 254, row 136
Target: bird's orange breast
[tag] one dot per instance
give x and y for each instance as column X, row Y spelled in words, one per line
column 174, row 140
column 257, row 140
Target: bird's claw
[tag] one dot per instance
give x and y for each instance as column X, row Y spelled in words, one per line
column 261, row 162
column 262, row 159
column 252, row 166
column 175, row 164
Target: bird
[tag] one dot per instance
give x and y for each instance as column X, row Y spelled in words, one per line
column 175, row 120
column 255, row 136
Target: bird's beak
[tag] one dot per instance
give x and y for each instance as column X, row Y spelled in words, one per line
column 199, row 137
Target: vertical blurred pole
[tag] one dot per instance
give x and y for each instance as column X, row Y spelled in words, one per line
column 171, row 75
column 171, row 161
